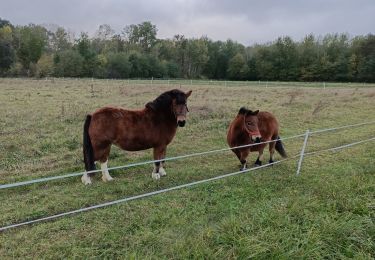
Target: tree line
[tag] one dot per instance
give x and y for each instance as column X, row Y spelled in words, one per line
column 136, row 52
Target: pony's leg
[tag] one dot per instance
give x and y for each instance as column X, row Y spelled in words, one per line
column 105, row 173
column 86, row 179
column 244, row 154
column 272, row 151
column 162, row 171
column 259, row 160
column 104, row 164
column 157, row 156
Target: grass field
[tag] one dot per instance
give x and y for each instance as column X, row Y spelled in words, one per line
column 326, row 212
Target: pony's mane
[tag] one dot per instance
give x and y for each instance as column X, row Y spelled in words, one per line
column 164, row 101
column 243, row 111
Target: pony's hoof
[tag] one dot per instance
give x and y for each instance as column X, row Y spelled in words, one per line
column 86, row 180
column 106, row 179
column 155, row 176
column 271, row 161
column 162, row 172
column 243, row 169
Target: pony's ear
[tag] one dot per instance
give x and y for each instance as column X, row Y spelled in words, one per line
column 187, row 94
column 255, row 112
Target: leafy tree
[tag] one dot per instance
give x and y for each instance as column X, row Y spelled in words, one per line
column 60, row 40
column 32, row 40
column 140, row 66
column 237, row 67
column 88, row 54
column 45, row 66
column 285, row 59
column 172, row 70
column 118, row 65
column 68, row 63
column 4, row 23
column 7, row 53
column 143, row 35
column 366, row 66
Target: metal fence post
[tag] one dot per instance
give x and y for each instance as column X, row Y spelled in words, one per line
column 302, row 152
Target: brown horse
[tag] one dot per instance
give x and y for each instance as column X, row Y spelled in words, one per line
column 254, row 127
column 152, row 127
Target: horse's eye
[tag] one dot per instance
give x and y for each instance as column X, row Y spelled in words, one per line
column 248, row 123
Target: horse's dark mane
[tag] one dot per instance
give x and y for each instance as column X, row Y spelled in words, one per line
column 163, row 102
column 243, row 111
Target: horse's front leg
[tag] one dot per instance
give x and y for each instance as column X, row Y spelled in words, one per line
column 162, row 171
column 259, row 160
column 158, row 169
column 243, row 155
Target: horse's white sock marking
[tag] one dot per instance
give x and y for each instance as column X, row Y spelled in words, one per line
column 154, row 175
column 105, row 173
column 162, row 171
column 86, row 179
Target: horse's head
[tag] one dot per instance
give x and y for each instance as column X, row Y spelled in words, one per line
column 179, row 107
column 251, row 125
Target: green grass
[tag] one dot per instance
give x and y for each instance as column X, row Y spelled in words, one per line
column 326, row 212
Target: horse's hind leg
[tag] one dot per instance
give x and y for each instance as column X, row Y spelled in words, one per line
column 104, row 164
column 272, row 151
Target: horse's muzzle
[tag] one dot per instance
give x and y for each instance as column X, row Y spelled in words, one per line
column 181, row 123
column 258, row 140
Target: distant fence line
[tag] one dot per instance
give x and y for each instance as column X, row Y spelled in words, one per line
column 207, row 82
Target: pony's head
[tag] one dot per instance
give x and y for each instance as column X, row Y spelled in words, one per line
column 179, row 107
column 173, row 102
column 251, row 124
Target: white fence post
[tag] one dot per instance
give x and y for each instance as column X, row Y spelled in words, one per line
column 302, row 152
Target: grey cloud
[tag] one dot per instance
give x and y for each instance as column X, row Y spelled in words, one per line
column 242, row 20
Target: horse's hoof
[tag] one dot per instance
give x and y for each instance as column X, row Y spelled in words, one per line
column 243, row 169
column 162, row 172
column 86, row 180
column 271, row 161
column 106, row 179
column 155, row 176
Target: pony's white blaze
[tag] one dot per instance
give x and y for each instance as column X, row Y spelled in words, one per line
column 105, row 173
column 86, row 179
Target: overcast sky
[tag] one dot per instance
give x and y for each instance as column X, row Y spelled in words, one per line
column 246, row 21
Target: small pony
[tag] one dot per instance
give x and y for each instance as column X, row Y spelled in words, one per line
column 254, row 127
column 152, row 127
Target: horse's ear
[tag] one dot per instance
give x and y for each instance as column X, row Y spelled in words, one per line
column 255, row 112
column 187, row 94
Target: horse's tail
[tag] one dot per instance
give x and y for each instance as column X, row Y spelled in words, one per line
column 280, row 148
column 88, row 152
